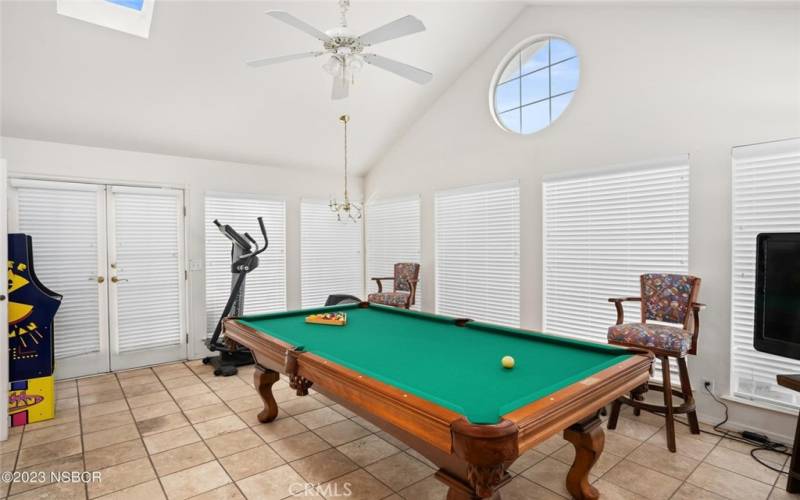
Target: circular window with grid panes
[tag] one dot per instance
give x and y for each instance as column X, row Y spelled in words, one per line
column 534, row 84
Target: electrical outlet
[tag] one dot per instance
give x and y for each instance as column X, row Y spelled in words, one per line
column 709, row 384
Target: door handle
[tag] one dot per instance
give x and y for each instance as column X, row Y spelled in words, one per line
column 2, row 298
column 115, row 279
column 99, row 279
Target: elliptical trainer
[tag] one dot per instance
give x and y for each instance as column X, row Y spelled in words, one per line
column 244, row 259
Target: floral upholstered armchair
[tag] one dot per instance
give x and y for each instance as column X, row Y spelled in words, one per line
column 669, row 300
column 405, row 279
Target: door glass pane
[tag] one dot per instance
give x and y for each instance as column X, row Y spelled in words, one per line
column 146, row 236
column 63, row 226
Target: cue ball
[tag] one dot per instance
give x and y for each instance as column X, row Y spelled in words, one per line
column 508, row 362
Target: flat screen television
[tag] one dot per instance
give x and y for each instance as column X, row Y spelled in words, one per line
column 777, row 294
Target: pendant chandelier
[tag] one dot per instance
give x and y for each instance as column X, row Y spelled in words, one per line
column 345, row 209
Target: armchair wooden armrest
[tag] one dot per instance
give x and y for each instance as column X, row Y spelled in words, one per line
column 378, row 281
column 618, row 305
column 696, row 308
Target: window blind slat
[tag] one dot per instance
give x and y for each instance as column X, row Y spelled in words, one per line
column 601, row 232
column 393, row 235
column 766, row 198
column 477, row 253
column 265, row 288
column 331, row 254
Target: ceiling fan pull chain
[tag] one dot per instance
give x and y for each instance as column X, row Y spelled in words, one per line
column 343, row 6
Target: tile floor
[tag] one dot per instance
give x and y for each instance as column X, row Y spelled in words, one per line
column 176, row 431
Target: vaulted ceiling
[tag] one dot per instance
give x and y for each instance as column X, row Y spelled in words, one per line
column 186, row 90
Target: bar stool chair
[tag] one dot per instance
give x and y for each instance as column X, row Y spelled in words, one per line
column 665, row 298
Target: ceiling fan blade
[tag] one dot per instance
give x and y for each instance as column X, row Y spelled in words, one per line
column 279, row 59
column 341, row 88
column 395, row 29
column 401, row 69
column 297, row 23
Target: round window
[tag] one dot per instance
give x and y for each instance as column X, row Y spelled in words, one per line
column 534, row 84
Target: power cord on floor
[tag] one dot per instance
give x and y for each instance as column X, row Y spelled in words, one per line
column 762, row 442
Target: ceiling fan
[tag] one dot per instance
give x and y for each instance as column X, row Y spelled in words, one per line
column 347, row 55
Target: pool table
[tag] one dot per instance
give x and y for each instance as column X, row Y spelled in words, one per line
column 437, row 384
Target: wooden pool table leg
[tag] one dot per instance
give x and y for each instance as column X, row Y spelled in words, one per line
column 264, row 378
column 588, row 438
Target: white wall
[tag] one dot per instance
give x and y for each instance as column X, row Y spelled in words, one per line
column 196, row 176
column 656, row 81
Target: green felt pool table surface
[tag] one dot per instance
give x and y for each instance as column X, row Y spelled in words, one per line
column 457, row 367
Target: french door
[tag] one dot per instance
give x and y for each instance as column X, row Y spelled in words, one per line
column 116, row 254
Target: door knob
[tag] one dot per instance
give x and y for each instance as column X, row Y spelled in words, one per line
column 99, row 279
column 115, row 279
column 2, row 298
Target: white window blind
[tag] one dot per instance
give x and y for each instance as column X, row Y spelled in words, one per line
column 265, row 288
column 63, row 220
column 331, row 254
column 477, row 253
column 393, row 235
column 766, row 198
column 601, row 232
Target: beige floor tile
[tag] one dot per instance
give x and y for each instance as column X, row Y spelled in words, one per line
column 7, row 463
column 173, row 372
column 151, row 490
column 43, row 473
column 164, row 441
column 136, row 372
column 741, row 464
column 218, row 426
column 612, row 491
column 521, row 489
column 319, row 418
column 49, row 434
column 324, row 400
column 661, row 459
column 149, row 399
column 272, row 484
column 525, row 461
column 122, row 476
column 414, row 453
column 250, row 417
column 67, row 391
column 549, row 473
column 566, row 455
column 279, row 429
column 49, row 452
column 55, row 491
column 249, row 462
column 323, row 466
column 196, row 480
column 227, row 492
column 551, row 444
column 685, row 444
column 392, row 440
column 367, row 450
column 156, row 410
column 341, row 432
column 745, row 448
column 104, row 408
column 189, row 390
column 141, row 390
column 344, row 411
column 162, row 424
column 148, row 378
column 101, row 439
column 246, row 403
column 62, row 417
column 691, row 492
column 105, row 378
column 635, row 428
column 300, row 405
column 115, row 454
column 204, row 413
column 427, row 489
column 101, row 397
column 727, row 483
column 359, row 484
column 234, row 442
column 182, row 381
column 299, row 446
column 235, row 393
column 226, row 383
column 11, row 444
column 181, row 458
column 399, row 471
column 620, row 445
column 108, row 421
column 197, row 400
column 641, row 480
column 65, row 403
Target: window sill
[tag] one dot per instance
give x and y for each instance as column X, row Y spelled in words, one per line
column 758, row 404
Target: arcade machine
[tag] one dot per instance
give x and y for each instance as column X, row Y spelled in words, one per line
column 31, row 310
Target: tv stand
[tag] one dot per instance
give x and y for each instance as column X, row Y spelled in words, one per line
column 792, row 381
